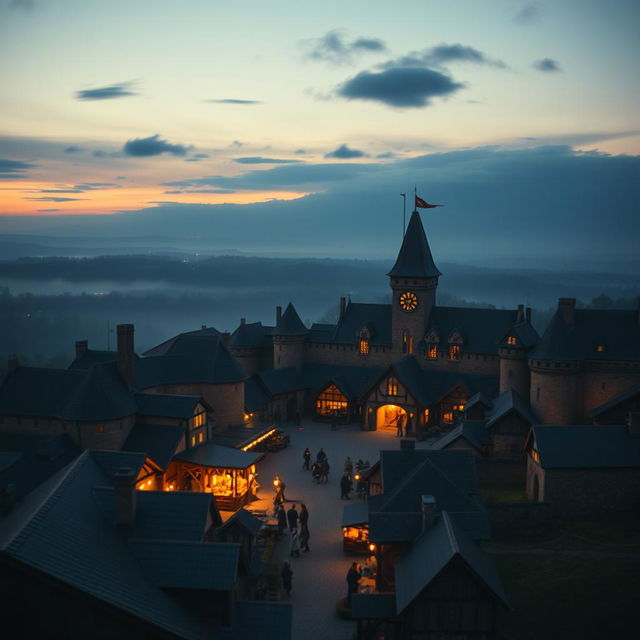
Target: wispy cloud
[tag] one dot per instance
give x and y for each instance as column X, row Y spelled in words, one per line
column 528, row 14
column 261, row 160
column 72, row 148
column 335, row 49
column 547, row 65
column 55, row 199
column 13, row 168
column 234, row 101
column 152, row 146
column 444, row 54
column 411, row 87
column 110, row 92
column 344, row 152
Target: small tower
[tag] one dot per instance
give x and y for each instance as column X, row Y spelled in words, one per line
column 413, row 279
column 289, row 337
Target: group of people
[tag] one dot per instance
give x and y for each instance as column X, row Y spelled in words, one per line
column 357, row 571
column 348, row 477
column 298, row 525
column 320, row 468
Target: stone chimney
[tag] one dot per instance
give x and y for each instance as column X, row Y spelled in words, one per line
column 125, row 496
column 520, row 314
column 278, row 314
column 407, row 444
column 528, row 314
column 82, row 346
column 567, row 307
column 243, row 321
column 12, row 363
column 633, row 424
column 343, row 306
column 429, row 509
column 125, row 353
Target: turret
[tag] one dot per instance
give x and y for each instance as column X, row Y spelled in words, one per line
column 289, row 337
column 413, row 280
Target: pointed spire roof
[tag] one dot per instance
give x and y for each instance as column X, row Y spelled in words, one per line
column 415, row 259
column 290, row 323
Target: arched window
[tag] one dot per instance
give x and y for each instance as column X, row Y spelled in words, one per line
column 364, row 346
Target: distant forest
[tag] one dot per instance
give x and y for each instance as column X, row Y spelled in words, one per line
column 84, row 298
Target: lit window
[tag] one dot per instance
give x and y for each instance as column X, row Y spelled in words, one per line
column 392, row 386
column 364, row 347
column 432, row 351
column 512, row 340
column 426, row 415
column 455, row 352
column 447, row 417
column 407, row 342
column 535, row 455
column 198, row 420
column 600, row 348
column 100, row 428
column 193, row 441
column 201, row 436
column 331, row 401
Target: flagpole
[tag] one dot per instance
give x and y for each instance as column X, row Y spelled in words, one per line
column 404, row 212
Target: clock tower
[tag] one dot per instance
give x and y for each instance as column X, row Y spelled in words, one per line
column 414, row 279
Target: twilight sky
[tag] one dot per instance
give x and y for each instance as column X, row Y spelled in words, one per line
column 124, row 106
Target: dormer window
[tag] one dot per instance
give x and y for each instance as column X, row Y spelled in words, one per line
column 392, row 386
column 512, row 340
column 432, row 351
column 364, row 346
column 364, row 336
column 455, row 352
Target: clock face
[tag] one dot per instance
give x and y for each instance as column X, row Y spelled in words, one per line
column 408, row 301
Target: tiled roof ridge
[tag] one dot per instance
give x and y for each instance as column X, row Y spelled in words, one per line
column 48, row 501
column 453, row 541
column 399, row 488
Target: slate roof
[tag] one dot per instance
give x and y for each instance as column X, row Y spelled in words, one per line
column 246, row 520
column 253, row 334
column 479, row 398
column 167, row 405
column 322, row 332
column 481, row 329
column 158, row 441
column 414, row 259
column 614, row 402
column 290, row 324
column 473, row 431
column 92, row 395
column 238, row 436
column 432, row 552
column 89, row 554
column 506, row 402
column 396, row 514
column 209, row 454
column 93, row 356
column 584, row 447
column 355, row 513
column 617, row 330
column 525, row 333
column 111, row 461
column 255, row 395
column 279, row 381
column 377, row 318
column 171, row 564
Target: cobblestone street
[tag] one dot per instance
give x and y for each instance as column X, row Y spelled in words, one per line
column 319, row 577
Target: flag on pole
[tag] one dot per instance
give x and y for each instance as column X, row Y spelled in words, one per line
column 423, row 204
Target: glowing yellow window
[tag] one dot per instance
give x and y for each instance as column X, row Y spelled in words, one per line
column 426, row 415
column 200, row 436
column 512, row 340
column 193, row 441
column 455, row 352
column 447, row 417
column 364, row 347
column 432, row 351
column 600, row 348
column 198, row 420
column 392, row 386
column 535, row 455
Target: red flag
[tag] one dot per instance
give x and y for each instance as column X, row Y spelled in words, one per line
column 423, row 204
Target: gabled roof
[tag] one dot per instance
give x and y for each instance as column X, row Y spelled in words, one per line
column 188, row 565
column 290, row 324
column 432, row 552
column 244, row 519
column 168, row 405
column 253, row 334
column 377, row 317
column 209, row 454
column 481, row 329
column 583, row 447
column 616, row 330
column 92, row 395
column 414, row 259
column 158, row 441
column 111, row 461
column 89, row 553
column 473, row 431
column 263, row 620
column 525, row 333
column 506, row 402
column 479, row 398
column 614, row 402
column 255, row 394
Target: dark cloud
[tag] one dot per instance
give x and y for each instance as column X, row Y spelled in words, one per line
column 261, row 160
column 335, row 49
column 73, row 149
column 343, row 152
column 529, row 13
column 547, row 64
column 48, row 210
column 121, row 177
column 54, row 199
column 106, row 93
column 177, row 191
column 93, row 186
column 399, row 86
column 300, row 151
column 13, row 168
column 152, row 146
column 197, row 157
column 387, row 154
column 57, row 191
column 234, row 101
column 237, row 143
column 444, row 54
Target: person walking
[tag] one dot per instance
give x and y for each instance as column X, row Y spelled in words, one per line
column 348, row 466
column 307, row 459
column 294, row 548
column 353, row 577
column 322, row 456
column 287, row 578
column 304, row 527
column 345, row 486
column 280, row 487
column 292, row 518
column 281, row 516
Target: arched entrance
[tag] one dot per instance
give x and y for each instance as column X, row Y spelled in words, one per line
column 389, row 416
